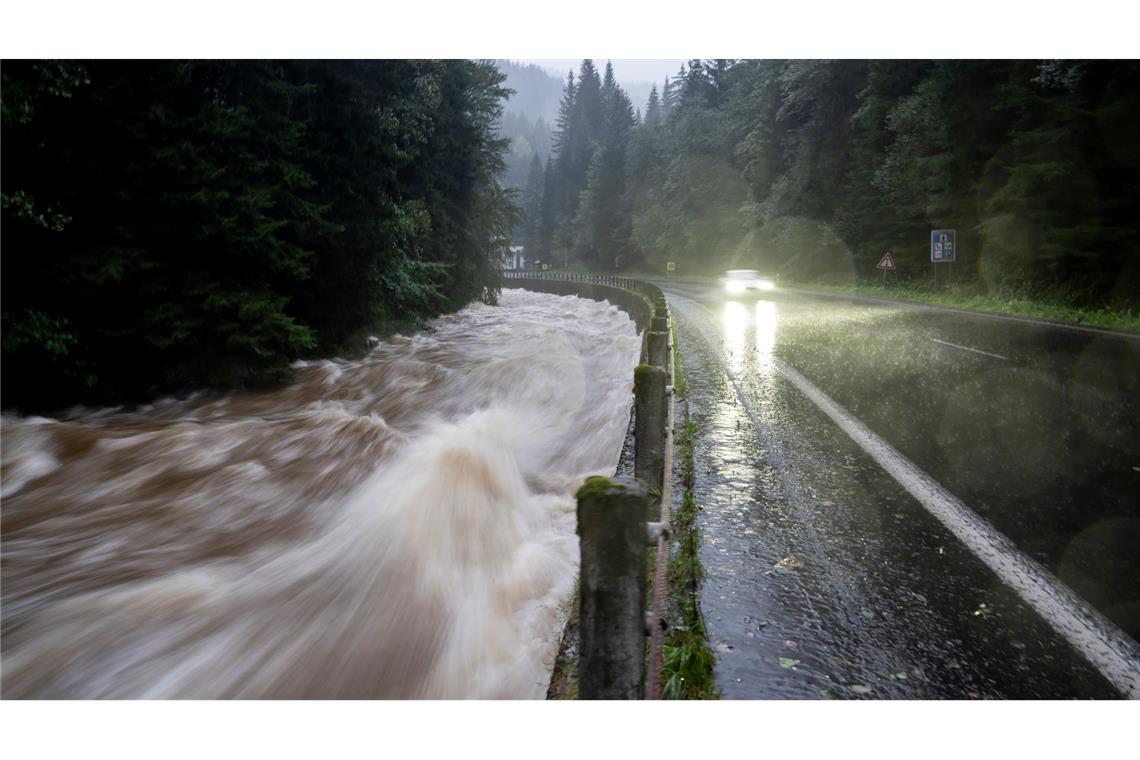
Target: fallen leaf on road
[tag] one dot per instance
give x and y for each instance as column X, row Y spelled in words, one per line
column 788, row 563
column 860, row 689
column 788, row 662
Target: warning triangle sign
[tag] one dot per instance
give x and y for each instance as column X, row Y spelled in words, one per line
column 887, row 261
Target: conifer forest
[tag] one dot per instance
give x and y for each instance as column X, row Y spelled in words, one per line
column 171, row 225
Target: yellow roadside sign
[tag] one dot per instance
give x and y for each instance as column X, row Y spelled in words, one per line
column 545, row 267
column 670, row 266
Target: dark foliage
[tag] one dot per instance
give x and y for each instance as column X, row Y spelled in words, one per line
column 814, row 169
column 170, row 225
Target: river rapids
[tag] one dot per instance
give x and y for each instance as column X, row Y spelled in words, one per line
column 400, row 526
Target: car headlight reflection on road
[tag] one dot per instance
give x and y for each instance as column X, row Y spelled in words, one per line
column 765, row 331
column 735, row 326
column 750, row 336
column 765, row 285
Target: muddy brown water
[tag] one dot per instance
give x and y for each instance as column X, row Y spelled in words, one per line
column 399, row 526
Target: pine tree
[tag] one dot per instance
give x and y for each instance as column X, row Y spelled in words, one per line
column 532, row 209
column 588, row 102
column 609, row 86
column 653, row 108
column 562, row 126
column 601, row 226
column 171, row 225
column 671, row 95
column 551, row 210
column 586, row 125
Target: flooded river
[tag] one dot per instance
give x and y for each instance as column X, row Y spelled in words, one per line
column 399, row 526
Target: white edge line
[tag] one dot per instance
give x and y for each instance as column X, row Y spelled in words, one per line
column 1111, row 651
column 967, row 348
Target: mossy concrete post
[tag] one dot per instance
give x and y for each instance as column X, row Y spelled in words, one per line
column 658, row 348
column 660, row 322
column 651, row 413
column 611, row 615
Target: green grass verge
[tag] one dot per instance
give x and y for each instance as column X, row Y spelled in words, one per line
column 1056, row 308
column 966, row 297
column 687, row 671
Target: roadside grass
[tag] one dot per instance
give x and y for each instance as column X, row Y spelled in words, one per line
column 687, row 670
column 969, row 297
column 966, row 297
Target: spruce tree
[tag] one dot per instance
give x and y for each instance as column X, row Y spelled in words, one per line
column 653, row 108
column 172, row 225
column 551, row 210
column 532, row 209
column 562, row 126
column 601, row 228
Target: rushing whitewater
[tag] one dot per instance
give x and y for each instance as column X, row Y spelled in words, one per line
column 401, row 526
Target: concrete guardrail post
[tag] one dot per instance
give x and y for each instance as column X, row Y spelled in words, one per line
column 657, row 348
column 651, row 414
column 611, row 616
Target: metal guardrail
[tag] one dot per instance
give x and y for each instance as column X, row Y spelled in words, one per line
column 615, row 516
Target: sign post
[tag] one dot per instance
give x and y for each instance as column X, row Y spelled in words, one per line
column 885, row 263
column 943, row 250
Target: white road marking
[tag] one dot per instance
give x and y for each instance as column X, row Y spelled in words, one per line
column 967, row 348
column 1101, row 642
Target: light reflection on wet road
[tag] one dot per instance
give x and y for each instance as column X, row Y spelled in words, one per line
column 824, row 577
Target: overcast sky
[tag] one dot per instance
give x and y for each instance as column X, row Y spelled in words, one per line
column 625, row 69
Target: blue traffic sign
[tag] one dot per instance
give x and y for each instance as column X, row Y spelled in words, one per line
column 942, row 246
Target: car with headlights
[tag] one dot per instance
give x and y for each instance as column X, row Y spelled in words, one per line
column 746, row 281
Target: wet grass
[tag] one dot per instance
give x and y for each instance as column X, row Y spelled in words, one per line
column 969, row 298
column 1056, row 307
column 687, row 672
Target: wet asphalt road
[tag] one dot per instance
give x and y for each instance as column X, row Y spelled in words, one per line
column 825, row 577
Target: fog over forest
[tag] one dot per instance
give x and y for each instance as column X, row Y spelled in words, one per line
column 260, row 215
column 813, row 169
column 530, row 112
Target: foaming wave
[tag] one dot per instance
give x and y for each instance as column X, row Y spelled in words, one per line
column 399, row 526
column 443, row 579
